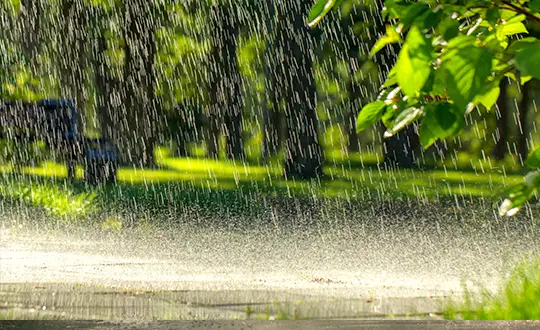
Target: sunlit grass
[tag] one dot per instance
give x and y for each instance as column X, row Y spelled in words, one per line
column 364, row 158
column 55, row 199
column 230, row 175
column 517, row 299
column 359, row 177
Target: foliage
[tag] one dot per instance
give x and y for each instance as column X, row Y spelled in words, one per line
column 10, row 152
column 16, row 81
column 452, row 60
column 517, row 299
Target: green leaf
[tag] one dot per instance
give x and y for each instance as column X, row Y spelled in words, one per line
column 510, row 206
column 516, row 19
column 534, row 5
column 390, row 37
column 518, row 45
column 403, row 119
column 369, row 115
column 533, row 160
column 509, row 29
column 520, row 193
column 438, row 87
column 465, row 71
column 389, row 117
column 319, row 10
column 461, row 42
column 392, row 78
column 489, row 97
column 442, row 120
column 428, row 20
column 449, row 29
column 414, row 63
column 412, row 13
column 525, row 79
column 527, row 60
column 493, row 15
column 395, row 8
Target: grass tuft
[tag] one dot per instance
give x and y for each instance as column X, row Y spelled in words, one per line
column 517, row 299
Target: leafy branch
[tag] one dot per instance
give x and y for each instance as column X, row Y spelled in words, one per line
column 448, row 65
column 522, row 11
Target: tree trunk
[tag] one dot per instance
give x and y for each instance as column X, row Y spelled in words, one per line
column 355, row 105
column 225, row 93
column 139, row 117
column 29, row 30
column 273, row 133
column 353, row 144
column 107, row 90
column 501, row 133
column 272, row 118
column 212, row 132
column 72, row 56
column 400, row 149
column 523, row 129
column 303, row 153
column 272, row 130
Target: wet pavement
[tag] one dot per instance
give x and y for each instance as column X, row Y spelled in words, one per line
column 227, row 276
column 268, row 325
column 65, row 301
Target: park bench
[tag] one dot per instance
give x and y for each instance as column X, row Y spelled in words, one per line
column 55, row 123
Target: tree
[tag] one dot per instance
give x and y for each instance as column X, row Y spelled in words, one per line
column 107, row 85
column 183, row 59
column 19, row 68
column 139, row 116
column 502, row 114
column 523, row 124
column 453, row 58
column 30, row 21
column 71, row 57
column 225, row 93
column 303, row 153
column 272, row 114
column 349, row 36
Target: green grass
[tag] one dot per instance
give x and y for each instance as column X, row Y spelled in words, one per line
column 211, row 184
column 517, row 299
column 55, row 199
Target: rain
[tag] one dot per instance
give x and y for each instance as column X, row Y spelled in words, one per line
column 202, row 160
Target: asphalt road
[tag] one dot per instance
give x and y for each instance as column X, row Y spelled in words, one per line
column 269, row 325
column 217, row 275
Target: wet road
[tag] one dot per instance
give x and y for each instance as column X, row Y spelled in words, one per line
column 267, row 325
column 234, row 275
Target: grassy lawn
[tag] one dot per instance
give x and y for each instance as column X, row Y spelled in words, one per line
column 198, row 181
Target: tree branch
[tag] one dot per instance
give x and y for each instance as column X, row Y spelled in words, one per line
column 521, row 11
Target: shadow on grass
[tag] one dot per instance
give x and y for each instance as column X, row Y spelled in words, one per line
column 216, row 189
column 201, row 177
column 237, row 205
